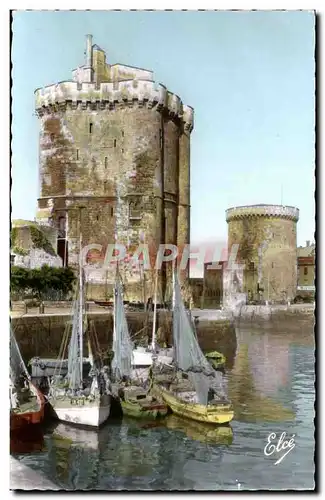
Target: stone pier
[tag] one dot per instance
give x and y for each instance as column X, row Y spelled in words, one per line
column 41, row 334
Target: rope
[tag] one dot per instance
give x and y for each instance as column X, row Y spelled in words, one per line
column 63, row 347
column 139, row 331
column 93, row 336
column 64, row 343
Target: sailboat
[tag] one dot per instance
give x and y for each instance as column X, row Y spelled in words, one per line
column 134, row 397
column 27, row 403
column 143, row 357
column 196, row 392
column 76, row 397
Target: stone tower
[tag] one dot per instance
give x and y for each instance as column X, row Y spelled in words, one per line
column 115, row 163
column 266, row 236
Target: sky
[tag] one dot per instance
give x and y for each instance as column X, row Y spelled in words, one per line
column 248, row 75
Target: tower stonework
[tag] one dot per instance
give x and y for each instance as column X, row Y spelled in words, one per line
column 266, row 236
column 115, row 163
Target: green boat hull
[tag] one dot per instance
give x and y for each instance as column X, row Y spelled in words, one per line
column 135, row 410
column 216, row 359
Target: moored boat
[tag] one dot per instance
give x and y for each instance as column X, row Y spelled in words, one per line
column 27, row 403
column 144, row 357
column 29, row 408
column 82, row 409
column 78, row 397
column 138, row 403
column 186, row 404
column 43, row 368
column 216, row 359
column 132, row 392
column 196, row 391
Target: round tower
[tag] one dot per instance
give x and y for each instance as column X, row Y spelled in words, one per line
column 114, row 160
column 266, row 236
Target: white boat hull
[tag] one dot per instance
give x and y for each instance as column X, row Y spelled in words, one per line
column 48, row 367
column 92, row 414
column 143, row 358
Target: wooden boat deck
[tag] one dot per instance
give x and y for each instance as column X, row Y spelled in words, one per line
column 29, row 405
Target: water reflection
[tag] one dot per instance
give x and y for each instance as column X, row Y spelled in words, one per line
column 260, row 383
column 176, row 454
column 198, row 431
column 30, row 441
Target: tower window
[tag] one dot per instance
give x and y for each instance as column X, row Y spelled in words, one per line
column 114, row 143
column 97, row 217
column 305, row 271
column 77, row 154
column 122, row 133
column 90, row 128
column 112, row 211
column 105, row 161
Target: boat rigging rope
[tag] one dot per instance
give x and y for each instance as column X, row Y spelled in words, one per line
column 93, row 336
column 63, row 346
column 64, row 342
column 139, row 331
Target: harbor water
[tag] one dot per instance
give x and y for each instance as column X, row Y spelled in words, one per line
column 270, row 382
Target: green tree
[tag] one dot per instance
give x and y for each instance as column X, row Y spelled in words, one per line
column 19, row 279
column 46, row 282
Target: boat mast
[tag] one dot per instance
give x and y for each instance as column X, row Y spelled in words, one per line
column 80, row 305
column 173, row 285
column 114, row 303
column 153, row 342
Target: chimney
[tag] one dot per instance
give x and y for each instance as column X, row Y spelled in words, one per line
column 307, row 243
column 89, row 49
column 88, row 69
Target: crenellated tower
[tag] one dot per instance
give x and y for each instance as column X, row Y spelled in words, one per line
column 266, row 236
column 115, row 163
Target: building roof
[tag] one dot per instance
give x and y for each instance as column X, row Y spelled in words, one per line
column 22, row 223
column 307, row 251
column 96, row 47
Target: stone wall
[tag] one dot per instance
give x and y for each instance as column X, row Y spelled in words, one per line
column 213, row 287
column 34, row 245
column 121, row 150
column 196, row 286
column 267, row 239
column 41, row 335
column 36, row 259
column 273, row 316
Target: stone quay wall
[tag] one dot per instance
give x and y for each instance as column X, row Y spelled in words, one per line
column 41, row 334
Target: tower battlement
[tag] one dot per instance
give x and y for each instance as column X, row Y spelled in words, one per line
column 266, row 236
column 276, row 211
column 137, row 93
column 114, row 163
